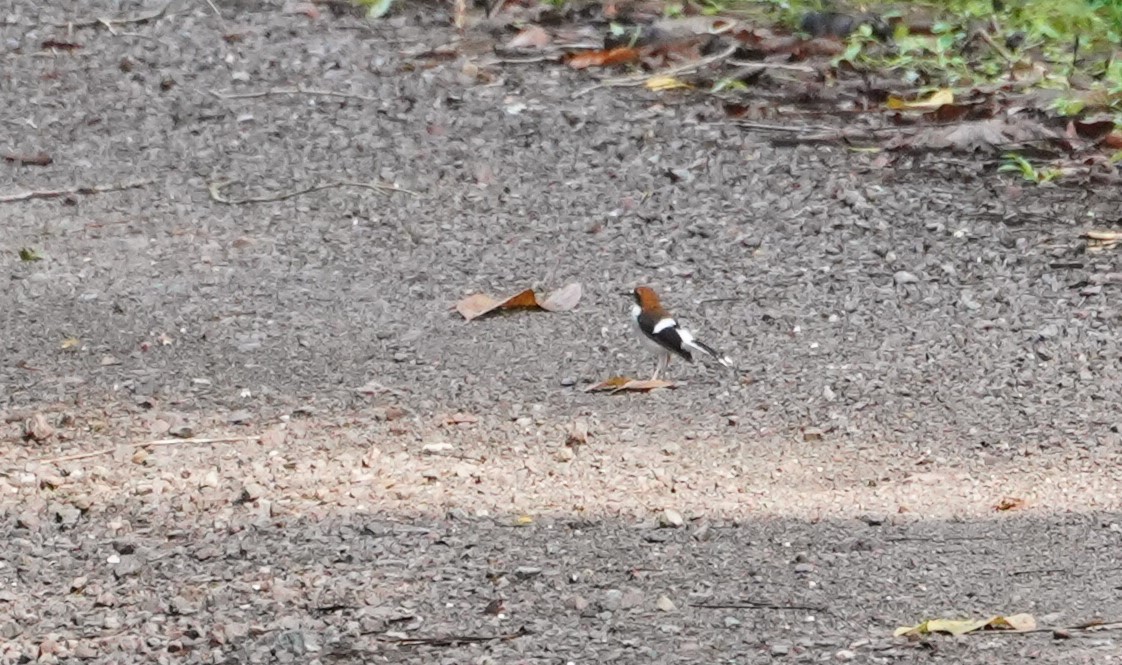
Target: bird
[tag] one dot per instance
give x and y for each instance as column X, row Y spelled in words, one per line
column 660, row 332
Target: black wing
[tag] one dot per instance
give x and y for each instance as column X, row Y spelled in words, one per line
column 668, row 338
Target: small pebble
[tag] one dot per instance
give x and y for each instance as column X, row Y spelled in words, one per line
column 670, row 519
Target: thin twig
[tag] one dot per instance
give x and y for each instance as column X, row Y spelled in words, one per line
column 145, row 444
column 215, row 191
column 453, row 640
column 752, row 605
column 998, row 48
column 640, row 79
column 292, row 91
column 110, row 22
column 217, row 13
column 789, row 129
column 772, row 65
column 85, row 190
column 1039, row 571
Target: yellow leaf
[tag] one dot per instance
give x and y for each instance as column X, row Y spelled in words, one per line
column 963, row 626
column 522, row 520
column 1103, row 236
column 69, row 343
column 952, row 626
column 1015, row 622
column 933, row 101
column 658, row 83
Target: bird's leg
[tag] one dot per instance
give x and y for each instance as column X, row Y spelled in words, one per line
column 663, row 361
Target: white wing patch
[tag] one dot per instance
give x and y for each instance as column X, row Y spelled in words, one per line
column 667, row 323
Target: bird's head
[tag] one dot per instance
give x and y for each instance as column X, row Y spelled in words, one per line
column 646, row 298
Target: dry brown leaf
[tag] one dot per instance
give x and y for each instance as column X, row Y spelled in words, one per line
column 995, row 134
column 617, row 384
column 533, row 36
column 606, row 58
column 1009, row 503
column 461, row 419
column 480, row 304
column 563, row 299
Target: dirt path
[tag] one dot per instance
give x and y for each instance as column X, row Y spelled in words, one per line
column 915, row 349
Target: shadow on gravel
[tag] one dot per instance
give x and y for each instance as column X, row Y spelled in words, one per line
column 364, row 588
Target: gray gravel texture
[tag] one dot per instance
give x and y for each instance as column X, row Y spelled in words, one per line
column 916, row 340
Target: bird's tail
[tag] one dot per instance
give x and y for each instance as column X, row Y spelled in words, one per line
column 705, row 349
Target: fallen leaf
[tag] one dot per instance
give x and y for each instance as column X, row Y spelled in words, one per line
column 480, row 304
column 617, row 384
column 533, row 36
column 971, row 136
column 1018, row 622
column 27, row 254
column 1091, row 131
column 563, row 299
column 33, row 159
column 1103, row 235
column 460, row 419
column 612, row 383
column 69, row 343
column 606, row 58
column 522, row 520
column 1009, row 503
column 60, row 45
column 659, row 83
column 932, row 101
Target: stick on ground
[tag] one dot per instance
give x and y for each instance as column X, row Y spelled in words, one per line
column 144, row 444
column 85, row 190
column 215, row 191
column 640, row 79
column 110, row 22
column 292, row 91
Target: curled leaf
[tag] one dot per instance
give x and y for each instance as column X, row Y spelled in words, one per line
column 618, row 384
column 606, row 58
column 533, row 36
column 481, row 304
column 563, row 299
column 1018, row 622
column 932, row 101
column 659, row 83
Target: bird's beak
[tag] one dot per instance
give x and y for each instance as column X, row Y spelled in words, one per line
column 626, row 294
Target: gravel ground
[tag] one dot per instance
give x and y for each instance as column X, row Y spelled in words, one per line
column 916, row 344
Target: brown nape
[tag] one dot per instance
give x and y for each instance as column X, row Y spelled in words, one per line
column 647, row 298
